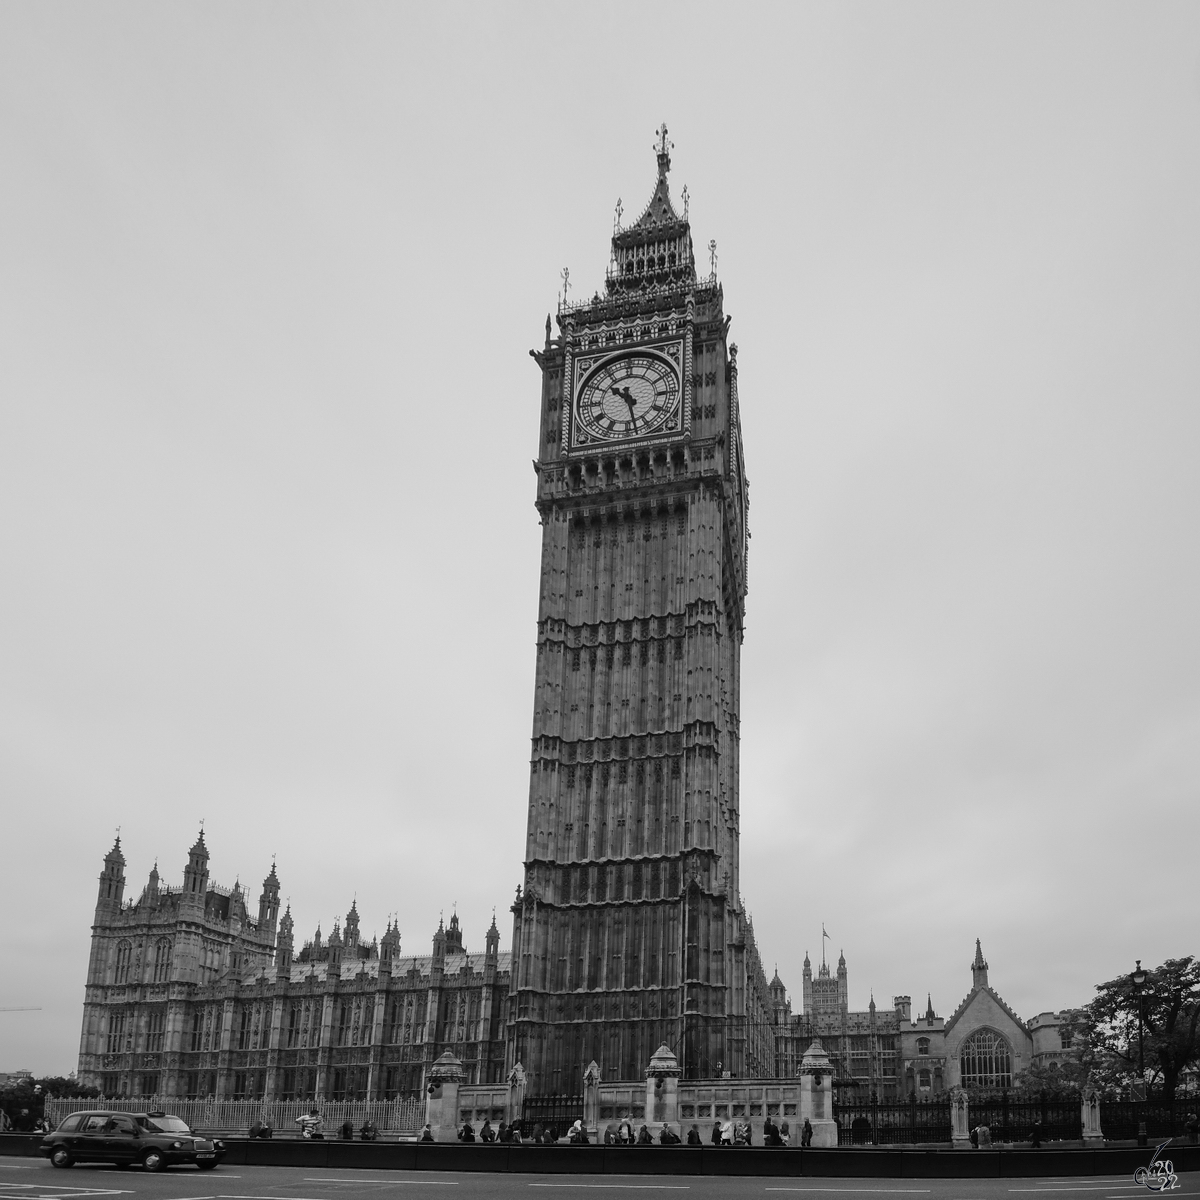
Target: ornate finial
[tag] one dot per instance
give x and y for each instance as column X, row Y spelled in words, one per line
column 684, row 194
column 566, row 278
column 617, row 217
column 712, row 254
column 663, row 149
column 547, row 331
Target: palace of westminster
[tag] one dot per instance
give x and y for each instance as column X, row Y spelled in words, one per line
column 629, row 928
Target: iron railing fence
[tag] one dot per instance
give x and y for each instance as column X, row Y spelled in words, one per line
column 1010, row 1116
column 893, row 1123
column 560, row 1111
column 397, row 1117
column 1121, row 1119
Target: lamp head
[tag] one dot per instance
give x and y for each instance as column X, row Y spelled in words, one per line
column 1138, row 976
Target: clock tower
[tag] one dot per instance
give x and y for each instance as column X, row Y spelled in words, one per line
column 628, row 929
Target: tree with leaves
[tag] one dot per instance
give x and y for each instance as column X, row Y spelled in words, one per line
column 1107, row 1029
column 24, row 1100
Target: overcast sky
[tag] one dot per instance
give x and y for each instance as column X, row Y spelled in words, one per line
column 269, row 275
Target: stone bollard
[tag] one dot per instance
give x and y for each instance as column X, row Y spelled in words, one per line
column 662, row 1091
column 960, row 1119
column 441, row 1098
column 816, row 1095
column 591, row 1100
column 516, row 1093
column 1090, row 1114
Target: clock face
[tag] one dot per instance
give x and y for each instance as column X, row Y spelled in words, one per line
column 630, row 395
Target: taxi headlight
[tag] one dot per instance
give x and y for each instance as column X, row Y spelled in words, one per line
column 176, row 1145
column 218, row 1145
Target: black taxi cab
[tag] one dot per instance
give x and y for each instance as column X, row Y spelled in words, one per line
column 153, row 1140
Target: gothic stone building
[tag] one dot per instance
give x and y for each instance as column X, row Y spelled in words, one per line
column 189, row 995
column 984, row 1045
column 629, row 930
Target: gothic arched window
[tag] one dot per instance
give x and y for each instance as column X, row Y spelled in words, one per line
column 124, row 958
column 162, row 960
column 922, row 1045
column 985, row 1061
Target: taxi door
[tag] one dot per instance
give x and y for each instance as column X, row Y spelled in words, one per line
column 88, row 1143
column 122, row 1140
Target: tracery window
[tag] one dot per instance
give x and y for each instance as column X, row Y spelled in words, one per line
column 922, row 1045
column 985, row 1061
column 155, row 1029
column 162, row 960
column 116, row 1032
column 124, row 958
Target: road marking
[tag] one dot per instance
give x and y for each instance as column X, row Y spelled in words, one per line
column 63, row 1192
column 635, row 1187
column 856, row 1191
column 1104, row 1187
column 393, row 1182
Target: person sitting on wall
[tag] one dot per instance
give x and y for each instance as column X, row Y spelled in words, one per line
column 694, row 1136
column 610, row 1135
column 985, row 1136
column 310, row 1124
column 550, row 1135
column 537, row 1133
column 644, row 1138
column 727, row 1132
column 368, row 1132
column 427, row 1133
column 487, row 1133
column 261, row 1129
column 770, row 1133
column 624, row 1132
column 577, row 1135
column 667, row 1136
column 785, row 1134
column 503, row 1133
column 741, row 1133
column 467, row 1132
column 346, row 1131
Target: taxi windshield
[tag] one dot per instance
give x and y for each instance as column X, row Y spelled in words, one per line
column 165, row 1124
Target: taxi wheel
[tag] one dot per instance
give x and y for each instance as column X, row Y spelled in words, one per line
column 60, row 1158
column 153, row 1161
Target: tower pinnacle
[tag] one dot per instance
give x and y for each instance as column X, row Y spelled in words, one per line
column 663, row 149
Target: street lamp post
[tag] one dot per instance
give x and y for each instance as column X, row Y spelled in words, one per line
column 1138, row 979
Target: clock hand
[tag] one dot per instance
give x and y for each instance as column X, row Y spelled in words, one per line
column 629, row 399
